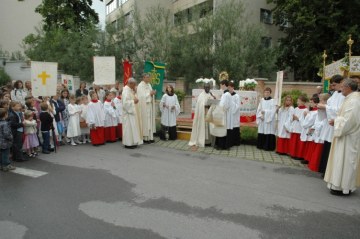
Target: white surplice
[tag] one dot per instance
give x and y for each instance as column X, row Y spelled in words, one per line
column 236, row 110
column 266, row 122
column 130, row 117
column 295, row 124
column 343, row 169
column 227, row 103
column 307, row 122
column 95, row 114
column 118, row 105
column 168, row 115
column 147, row 108
column 332, row 107
column 110, row 115
column 284, row 125
column 200, row 128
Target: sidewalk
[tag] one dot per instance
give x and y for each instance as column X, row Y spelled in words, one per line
column 247, row 152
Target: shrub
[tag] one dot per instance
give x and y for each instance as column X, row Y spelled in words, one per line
column 248, row 135
column 294, row 95
column 180, row 95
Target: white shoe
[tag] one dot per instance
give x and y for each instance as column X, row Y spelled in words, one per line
column 89, row 141
column 73, row 144
column 84, row 142
column 78, row 142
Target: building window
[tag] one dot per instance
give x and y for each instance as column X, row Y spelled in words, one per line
column 265, row 16
column 266, row 42
column 111, row 6
column 128, row 19
column 198, row 11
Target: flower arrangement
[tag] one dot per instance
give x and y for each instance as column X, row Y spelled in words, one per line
column 248, row 84
column 211, row 81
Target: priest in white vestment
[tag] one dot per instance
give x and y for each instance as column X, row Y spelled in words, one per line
column 343, row 169
column 170, row 109
column 200, row 134
column 146, row 94
column 131, row 120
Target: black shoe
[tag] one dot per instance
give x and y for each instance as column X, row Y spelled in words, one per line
column 338, row 193
column 46, row 152
column 304, row 162
column 152, row 141
column 146, row 142
column 51, row 149
column 131, row 147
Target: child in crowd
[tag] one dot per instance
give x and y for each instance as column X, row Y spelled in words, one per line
column 30, row 105
column 265, row 119
column 73, row 130
column 283, row 127
column 307, row 122
column 111, row 121
column 95, row 119
column 59, row 107
column 85, row 130
column 320, row 121
column 4, row 104
column 296, row 146
column 46, row 126
column 17, row 127
column 54, row 133
column 64, row 98
column 6, row 139
column 31, row 141
column 118, row 106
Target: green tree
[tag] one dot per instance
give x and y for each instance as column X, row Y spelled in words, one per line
column 68, row 36
column 67, row 14
column 314, row 26
column 4, row 77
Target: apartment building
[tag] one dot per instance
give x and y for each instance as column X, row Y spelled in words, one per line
column 257, row 11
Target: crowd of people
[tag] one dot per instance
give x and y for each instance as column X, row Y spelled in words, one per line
column 322, row 132
column 98, row 115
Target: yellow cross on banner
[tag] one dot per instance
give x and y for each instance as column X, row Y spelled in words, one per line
column 43, row 76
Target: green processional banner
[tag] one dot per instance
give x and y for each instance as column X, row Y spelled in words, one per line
column 157, row 73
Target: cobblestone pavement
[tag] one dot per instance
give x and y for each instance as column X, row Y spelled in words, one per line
column 247, row 152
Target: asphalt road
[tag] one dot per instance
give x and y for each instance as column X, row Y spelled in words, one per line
column 153, row 192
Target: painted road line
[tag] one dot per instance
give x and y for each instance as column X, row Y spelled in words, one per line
column 29, row 172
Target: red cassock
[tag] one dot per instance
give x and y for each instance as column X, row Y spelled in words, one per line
column 119, row 131
column 283, row 145
column 110, row 134
column 97, row 136
column 296, row 146
column 314, row 161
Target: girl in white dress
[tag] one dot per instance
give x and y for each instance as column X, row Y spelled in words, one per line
column 73, row 130
column 170, row 109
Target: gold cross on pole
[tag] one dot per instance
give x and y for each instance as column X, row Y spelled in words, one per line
column 43, row 76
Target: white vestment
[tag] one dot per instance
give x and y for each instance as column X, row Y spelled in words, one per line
column 147, row 108
column 118, row 105
column 130, row 117
column 307, row 122
column 295, row 124
column 168, row 115
column 236, row 110
column 320, row 121
column 227, row 103
column 333, row 105
column 200, row 129
column 266, row 122
column 110, row 115
column 73, row 129
column 95, row 114
column 283, row 125
column 343, row 169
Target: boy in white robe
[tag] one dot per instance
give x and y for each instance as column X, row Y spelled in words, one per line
column 265, row 119
column 118, row 106
column 95, row 119
column 110, row 118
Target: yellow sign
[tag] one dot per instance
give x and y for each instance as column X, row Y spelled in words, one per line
column 43, row 76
